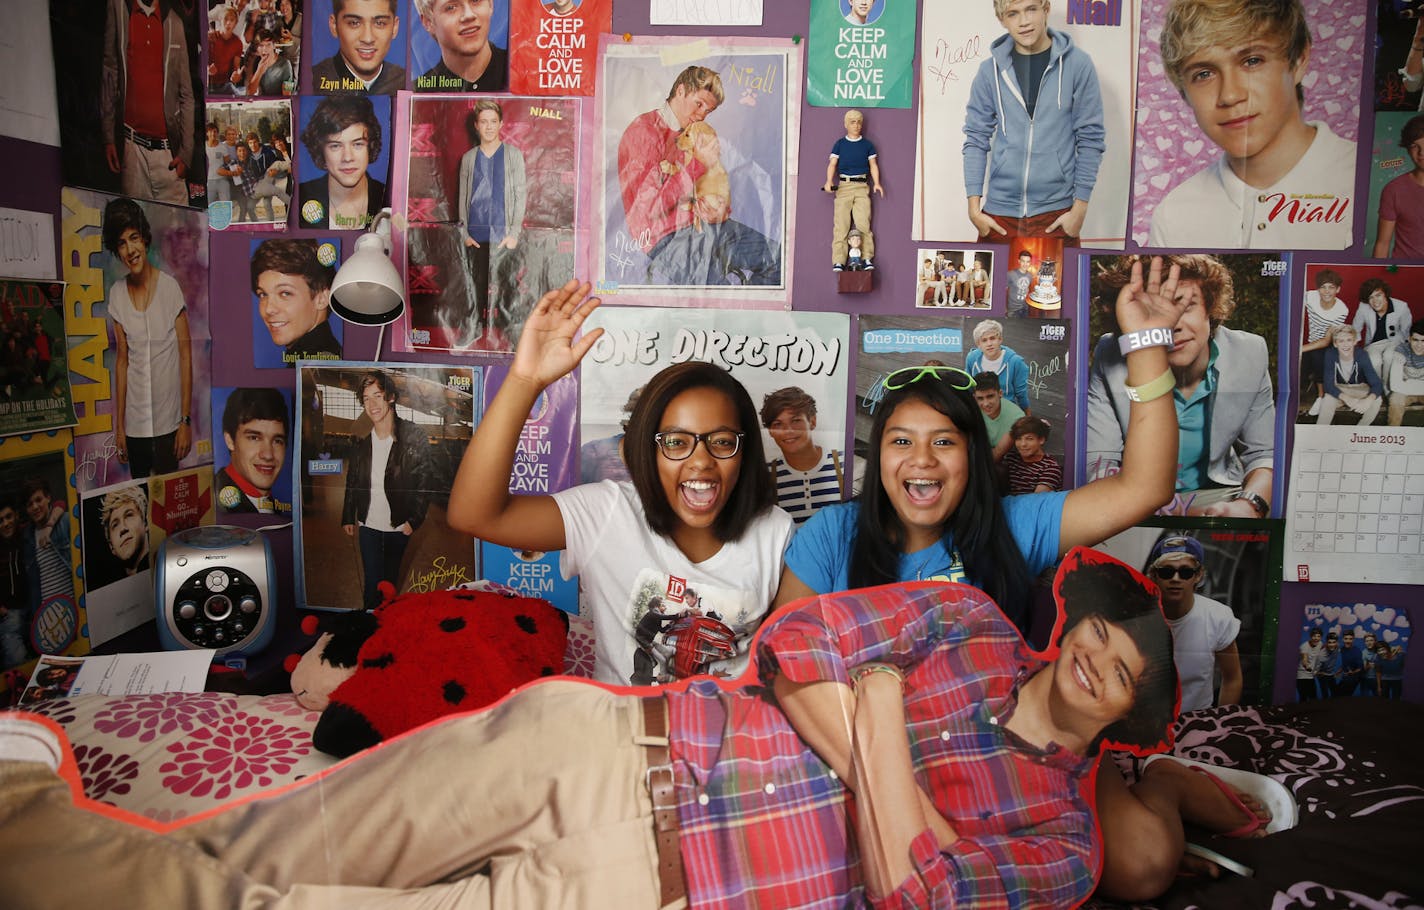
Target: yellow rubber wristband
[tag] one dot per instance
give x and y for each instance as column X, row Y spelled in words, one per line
column 1154, row 389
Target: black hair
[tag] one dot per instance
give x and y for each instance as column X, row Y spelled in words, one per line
column 978, row 528
column 754, row 492
column 987, row 381
column 1091, row 584
column 245, row 405
column 120, row 215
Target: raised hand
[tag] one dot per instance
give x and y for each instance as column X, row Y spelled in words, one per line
column 1149, row 303
column 547, row 349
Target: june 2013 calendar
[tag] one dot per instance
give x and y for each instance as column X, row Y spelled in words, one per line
column 1356, row 505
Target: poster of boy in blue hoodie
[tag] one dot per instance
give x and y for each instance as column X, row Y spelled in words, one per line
column 1033, row 130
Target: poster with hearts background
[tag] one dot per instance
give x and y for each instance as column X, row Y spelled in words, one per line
column 1170, row 144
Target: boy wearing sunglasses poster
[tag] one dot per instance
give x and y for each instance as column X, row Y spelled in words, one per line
column 1203, row 630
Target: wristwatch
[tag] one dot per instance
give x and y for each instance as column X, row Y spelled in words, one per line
column 1257, row 502
column 187, row 420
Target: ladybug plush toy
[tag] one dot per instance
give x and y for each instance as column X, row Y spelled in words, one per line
column 416, row 657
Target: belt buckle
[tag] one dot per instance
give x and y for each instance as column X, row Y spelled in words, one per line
column 653, row 769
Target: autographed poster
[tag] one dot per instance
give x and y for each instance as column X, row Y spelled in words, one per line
column 46, row 618
column 799, row 359
column 864, row 53
column 553, row 45
column 34, row 368
column 1091, row 115
column 124, row 525
column 142, row 418
column 1032, row 376
column 696, row 143
column 352, row 542
column 1193, row 183
column 1221, row 594
column 1225, row 360
column 495, row 192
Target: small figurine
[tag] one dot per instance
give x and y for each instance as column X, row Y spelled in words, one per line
column 854, row 261
column 851, row 174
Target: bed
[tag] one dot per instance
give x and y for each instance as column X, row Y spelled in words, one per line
column 1353, row 765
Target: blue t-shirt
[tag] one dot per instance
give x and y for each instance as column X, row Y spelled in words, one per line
column 820, row 552
column 486, row 214
column 853, row 156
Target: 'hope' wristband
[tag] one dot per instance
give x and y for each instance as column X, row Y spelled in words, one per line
column 1144, row 338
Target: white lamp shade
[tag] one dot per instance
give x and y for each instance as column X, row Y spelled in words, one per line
column 367, row 289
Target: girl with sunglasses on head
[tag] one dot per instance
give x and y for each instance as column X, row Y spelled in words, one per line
column 691, row 517
column 929, row 509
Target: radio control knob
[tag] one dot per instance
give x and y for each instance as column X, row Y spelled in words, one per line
column 248, row 604
column 187, row 610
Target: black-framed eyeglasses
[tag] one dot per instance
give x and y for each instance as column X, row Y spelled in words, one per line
column 1182, row 572
column 956, row 377
column 677, row 445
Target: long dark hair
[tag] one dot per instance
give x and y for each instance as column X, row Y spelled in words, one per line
column 978, row 528
column 754, row 492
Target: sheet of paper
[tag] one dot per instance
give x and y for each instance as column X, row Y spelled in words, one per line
column 704, row 12
column 27, row 243
column 119, row 674
column 28, row 106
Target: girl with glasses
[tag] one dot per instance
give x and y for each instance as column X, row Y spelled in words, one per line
column 690, row 517
column 929, row 509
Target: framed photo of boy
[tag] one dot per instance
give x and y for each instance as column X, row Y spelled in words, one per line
column 417, row 421
column 693, row 170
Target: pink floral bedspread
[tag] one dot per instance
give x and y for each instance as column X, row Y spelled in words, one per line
column 170, row 755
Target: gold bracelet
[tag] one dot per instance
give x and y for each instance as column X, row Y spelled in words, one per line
column 865, row 670
column 1154, row 389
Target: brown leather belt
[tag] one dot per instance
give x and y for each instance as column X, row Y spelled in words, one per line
column 661, row 788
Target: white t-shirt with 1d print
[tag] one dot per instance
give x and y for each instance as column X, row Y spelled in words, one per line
column 622, row 564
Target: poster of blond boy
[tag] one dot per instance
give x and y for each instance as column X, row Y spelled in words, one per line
column 1248, row 114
